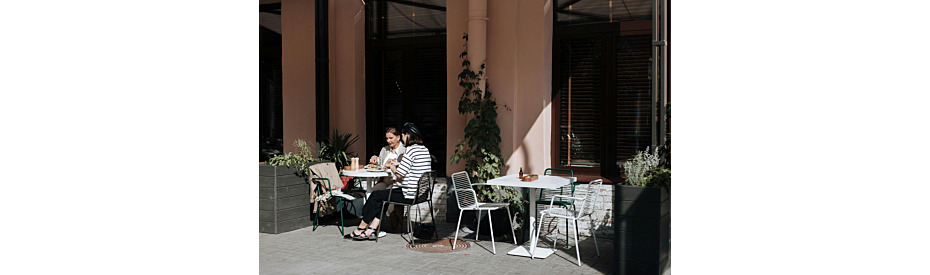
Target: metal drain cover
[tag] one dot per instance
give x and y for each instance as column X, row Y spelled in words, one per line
column 439, row 246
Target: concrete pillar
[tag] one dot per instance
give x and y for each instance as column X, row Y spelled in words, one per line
column 298, row 65
column 347, row 71
column 456, row 26
column 477, row 35
column 520, row 75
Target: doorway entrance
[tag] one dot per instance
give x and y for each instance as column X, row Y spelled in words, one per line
column 406, row 73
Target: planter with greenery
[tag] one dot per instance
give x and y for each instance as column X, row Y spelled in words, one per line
column 284, row 191
column 480, row 149
column 642, row 217
column 284, row 182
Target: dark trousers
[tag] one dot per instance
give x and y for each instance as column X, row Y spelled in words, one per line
column 372, row 207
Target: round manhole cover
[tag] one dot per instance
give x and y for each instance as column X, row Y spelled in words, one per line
column 439, row 246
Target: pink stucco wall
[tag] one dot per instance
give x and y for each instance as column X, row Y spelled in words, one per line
column 456, row 15
column 519, row 75
column 298, row 65
column 347, row 70
column 519, row 62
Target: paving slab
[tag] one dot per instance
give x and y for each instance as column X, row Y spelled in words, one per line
column 325, row 251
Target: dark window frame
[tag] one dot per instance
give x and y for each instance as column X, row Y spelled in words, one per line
column 608, row 33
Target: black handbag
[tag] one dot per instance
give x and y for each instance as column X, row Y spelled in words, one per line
column 424, row 231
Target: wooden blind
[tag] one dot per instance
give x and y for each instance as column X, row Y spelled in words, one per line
column 429, row 110
column 633, row 90
column 413, row 89
column 392, row 98
column 582, row 66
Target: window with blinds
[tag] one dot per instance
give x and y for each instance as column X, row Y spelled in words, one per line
column 406, row 72
column 580, row 92
column 408, row 85
column 602, row 89
column 633, row 92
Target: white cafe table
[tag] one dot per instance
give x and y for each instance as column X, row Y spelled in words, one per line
column 544, row 182
column 371, row 177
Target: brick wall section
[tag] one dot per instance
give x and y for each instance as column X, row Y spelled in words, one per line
column 439, row 204
column 603, row 216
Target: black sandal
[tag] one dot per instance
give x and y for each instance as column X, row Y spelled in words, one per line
column 362, row 237
column 352, row 236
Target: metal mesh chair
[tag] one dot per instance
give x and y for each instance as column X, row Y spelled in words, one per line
column 467, row 199
column 586, row 210
column 545, row 195
column 424, row 194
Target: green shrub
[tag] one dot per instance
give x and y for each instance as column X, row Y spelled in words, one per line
column 660, row 177
column 298, row 161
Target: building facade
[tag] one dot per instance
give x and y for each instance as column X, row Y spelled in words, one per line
column 582, row 84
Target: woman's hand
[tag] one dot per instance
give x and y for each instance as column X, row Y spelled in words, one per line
column 373, row 160
column 390, row 162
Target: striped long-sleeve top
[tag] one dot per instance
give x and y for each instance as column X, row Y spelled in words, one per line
column 415, row 162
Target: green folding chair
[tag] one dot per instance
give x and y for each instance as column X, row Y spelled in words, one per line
column 339, row 206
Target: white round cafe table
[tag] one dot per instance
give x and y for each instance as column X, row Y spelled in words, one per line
column 371, row 177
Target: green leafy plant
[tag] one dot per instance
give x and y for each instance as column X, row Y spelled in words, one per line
column 665, row 152
column 480, row 149
column 336, row 148
column 298, row 161
column 637, row 167
column 645, row 170
column 659, row 177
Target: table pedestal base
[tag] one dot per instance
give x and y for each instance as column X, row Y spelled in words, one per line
column 541, row 253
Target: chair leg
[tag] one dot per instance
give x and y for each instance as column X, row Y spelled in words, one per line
column 479, row 224
column 555, row 241
column 566, row 228
column 409, row 226
column 491, row 227
column 510, row 219
column 316, row 218
column 577, row 251
column 433, row 219
column 342, row 225
column 535, row 241
column 378, row 230
column 593, row 234
column 456, row 238
column 566, row 234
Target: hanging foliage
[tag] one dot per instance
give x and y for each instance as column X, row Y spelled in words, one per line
column 480, row 149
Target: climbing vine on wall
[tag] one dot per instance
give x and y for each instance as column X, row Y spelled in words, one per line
column 480, row 149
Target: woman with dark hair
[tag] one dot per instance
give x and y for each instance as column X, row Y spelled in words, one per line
column 408, row 171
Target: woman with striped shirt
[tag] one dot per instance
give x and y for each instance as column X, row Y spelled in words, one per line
column 408, row 171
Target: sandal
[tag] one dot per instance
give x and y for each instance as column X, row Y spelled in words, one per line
column 365, row 237
column 351, row 235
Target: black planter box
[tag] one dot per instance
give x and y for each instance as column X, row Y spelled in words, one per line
column 642, row 218
column 284, row 200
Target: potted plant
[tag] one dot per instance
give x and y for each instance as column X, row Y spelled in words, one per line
column 335, row 148
column 284, row 191
column 643, row 214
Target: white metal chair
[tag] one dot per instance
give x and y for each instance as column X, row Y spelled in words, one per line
column 586, row 210
column 467, row 199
